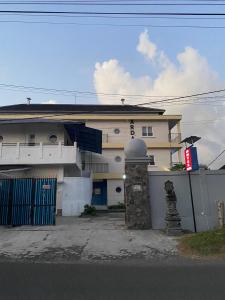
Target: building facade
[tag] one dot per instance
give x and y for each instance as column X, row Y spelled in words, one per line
column 35, row 141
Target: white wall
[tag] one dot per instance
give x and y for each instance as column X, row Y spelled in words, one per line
column 76, row 192
column 162, row 159
column 160, row 130
column 207, row 188
column 112, row 196
column 19, row 132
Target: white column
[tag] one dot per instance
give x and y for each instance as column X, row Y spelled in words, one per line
column 41, row 150
column 17, row 150
column 60, row 149
column 0, row 149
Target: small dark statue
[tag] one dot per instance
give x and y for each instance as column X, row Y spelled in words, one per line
column 173, row 225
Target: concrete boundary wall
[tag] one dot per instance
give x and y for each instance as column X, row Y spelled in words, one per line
column 76, row 192
column 208, row 188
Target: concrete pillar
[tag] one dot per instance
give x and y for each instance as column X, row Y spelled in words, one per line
column 220, row 209
column 137, row 202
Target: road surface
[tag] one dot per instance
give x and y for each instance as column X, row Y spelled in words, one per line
column 22, row 281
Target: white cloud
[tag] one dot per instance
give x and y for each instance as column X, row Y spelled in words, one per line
column 191, row 73
column 49, row 102
column 146, row 47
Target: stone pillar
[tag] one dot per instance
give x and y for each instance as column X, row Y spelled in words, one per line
column 137, row 201
column 220, row 209
column 173, row 220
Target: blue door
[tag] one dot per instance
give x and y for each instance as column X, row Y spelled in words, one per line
column 99, row 194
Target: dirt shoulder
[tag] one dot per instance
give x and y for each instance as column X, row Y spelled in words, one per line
column 203, row 245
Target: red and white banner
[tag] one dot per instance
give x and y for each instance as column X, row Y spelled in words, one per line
column 188, row 160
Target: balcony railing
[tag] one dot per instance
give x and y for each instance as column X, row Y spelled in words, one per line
column 174, row 137
column 38, row 154
column 97, row 167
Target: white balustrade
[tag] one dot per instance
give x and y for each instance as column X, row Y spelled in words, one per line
column 18, row 153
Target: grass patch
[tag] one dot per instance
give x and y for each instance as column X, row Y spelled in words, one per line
column 209, row 243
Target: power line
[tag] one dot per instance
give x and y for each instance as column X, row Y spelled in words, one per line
column 113, row 25
column 89, row 13
column 215, row 158
column 168, row 99
column 13, row 86
column 183, row 97
column 121, row 17
column 98, row 3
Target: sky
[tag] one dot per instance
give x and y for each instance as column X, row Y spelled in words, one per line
column 92, row 57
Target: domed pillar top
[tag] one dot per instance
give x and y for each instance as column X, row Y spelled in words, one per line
column 136, row 150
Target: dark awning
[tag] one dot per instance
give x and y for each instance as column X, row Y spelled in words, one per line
column 88, row 139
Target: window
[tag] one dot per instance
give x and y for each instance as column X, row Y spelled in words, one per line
column 31, row 139
column 97, row 191
column 118, row 159
column 147, row 131
column 118, row 189
column 116, row 131
column 53, row 138
column 151, row 160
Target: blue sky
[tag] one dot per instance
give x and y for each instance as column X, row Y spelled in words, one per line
column 64, row 56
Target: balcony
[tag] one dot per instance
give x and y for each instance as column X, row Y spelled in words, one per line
column 97, row 167
column 174, row 137
column 38, row 154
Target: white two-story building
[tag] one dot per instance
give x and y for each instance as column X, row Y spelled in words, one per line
column 85, row 142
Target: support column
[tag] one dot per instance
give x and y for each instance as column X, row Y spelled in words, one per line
column 137, row 202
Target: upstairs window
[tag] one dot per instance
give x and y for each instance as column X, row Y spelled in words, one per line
column 31, row 140
column 152, row 160
column 53, row 138
column 116, row 130
column 118, row 159
column 147, row 131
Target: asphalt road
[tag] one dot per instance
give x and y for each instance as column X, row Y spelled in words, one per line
column 88, row 281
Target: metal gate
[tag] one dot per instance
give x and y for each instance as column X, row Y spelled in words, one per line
column 27, row 201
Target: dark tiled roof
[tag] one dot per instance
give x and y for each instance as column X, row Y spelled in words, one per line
column 80, row 109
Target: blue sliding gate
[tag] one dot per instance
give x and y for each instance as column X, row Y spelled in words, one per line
column 28, row 201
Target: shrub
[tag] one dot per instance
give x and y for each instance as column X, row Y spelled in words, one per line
column 119, row 205
column 89, row 210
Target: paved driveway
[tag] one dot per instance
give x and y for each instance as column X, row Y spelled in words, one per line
column 101, row 238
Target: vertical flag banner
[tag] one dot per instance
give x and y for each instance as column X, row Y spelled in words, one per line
column 191, row 159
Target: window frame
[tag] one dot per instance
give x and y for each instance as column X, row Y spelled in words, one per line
column 145, row 132
column 118, row 158
column 150, row 162
column 116, row 130
column 118, row 189
column 51, row 142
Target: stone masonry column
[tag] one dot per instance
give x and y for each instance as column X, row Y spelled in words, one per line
column 137, row 202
